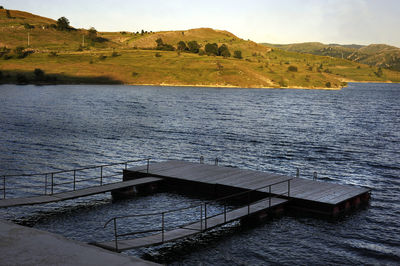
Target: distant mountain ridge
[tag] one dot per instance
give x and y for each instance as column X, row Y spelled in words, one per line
column 378, row 55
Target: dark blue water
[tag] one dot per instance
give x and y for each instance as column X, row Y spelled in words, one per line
column 350, row 136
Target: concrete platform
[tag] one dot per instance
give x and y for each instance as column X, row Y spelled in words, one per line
column 21, row 245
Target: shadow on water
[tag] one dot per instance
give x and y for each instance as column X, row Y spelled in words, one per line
column 23, row 77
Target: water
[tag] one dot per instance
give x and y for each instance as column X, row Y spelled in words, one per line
column 350, row 136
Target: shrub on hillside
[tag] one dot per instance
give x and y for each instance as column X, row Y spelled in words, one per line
column 20, row 52
column 193, row 47
column 28, row 26
column 292, row 68
column 237, row 54
column 163, row 46
column 8, row 14
column 63, row 24
column 53, row 54
column 223, row 50
column 39, row 74
column 182, row 46
column 211, row 49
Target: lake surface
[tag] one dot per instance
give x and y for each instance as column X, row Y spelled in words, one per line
column 350, row 136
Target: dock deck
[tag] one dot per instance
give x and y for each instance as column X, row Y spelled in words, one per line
column 300, row 188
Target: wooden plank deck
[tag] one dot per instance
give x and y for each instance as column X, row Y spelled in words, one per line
column 76, row 193
column 300, row 188
column 192, row 229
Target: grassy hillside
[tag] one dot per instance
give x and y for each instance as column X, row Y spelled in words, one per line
column 377, row 55
column 42, row 33
column 131, row 58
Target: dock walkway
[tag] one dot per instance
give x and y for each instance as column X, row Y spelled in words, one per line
column 193, row 228
column 76, row 193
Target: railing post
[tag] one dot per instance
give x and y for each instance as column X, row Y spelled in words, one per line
column 216, row 161
column 201, row 217
column 101, row 175
column 115, row 234
column 4, row 187
column 224, row 213
column 248, row 203
column 45, row 184
column 148, row 165
column 315, row 176
column 162, row 227
column 269, row 191
column 74, row 179
column 201, row 159
column 52, row 183
column 126, row 165
column 288, row 190
column 205, row 216
column 298, row 173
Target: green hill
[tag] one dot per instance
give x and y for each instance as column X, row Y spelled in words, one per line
column 86, row 56
column 377, row 55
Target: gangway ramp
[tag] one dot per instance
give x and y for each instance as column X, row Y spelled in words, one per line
column 11, row 202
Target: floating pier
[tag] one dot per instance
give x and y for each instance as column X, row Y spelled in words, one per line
column 304, row 194
column 254, row 196
column 265, row 194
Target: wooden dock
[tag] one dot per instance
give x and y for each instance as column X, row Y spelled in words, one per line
column 280, row 191
column 12, row 202
column 255, row 195
column 193, row 228
column 320, row 197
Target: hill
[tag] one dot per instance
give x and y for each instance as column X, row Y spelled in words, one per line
column 87, row 56
column 377, row 55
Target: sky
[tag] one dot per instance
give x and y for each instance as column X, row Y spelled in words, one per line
column 272, row 21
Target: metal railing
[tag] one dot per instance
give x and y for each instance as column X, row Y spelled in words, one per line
column 49, row 179
column 203, row 212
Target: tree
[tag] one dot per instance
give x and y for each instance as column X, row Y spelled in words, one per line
column 379, row 73
column 211, row 49
column 159, row 42
column 92, row 34
column 182, row 46
column 237, row 54
column 63, row 24
column 193, row 47
column 163, row 46
column 19, row 52
column 223, row 50
column 8, row 14
column 39, row 74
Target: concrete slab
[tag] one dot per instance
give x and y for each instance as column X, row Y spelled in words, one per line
column 20, row 245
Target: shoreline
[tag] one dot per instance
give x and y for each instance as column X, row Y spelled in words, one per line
column 182, row 85
column 205, row 85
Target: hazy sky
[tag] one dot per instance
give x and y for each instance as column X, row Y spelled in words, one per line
column 280, row 21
